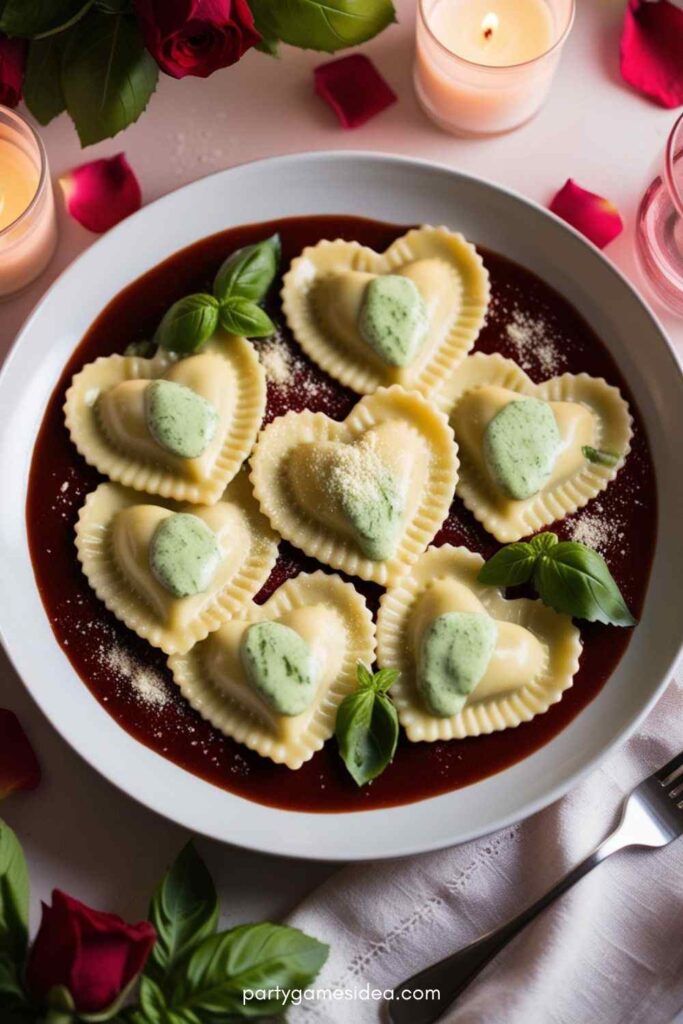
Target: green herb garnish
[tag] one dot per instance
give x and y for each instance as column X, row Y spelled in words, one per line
column 567, row 576
column 602, row 458
column 367, row 725
column 249, row 272
column 240, row 286
column 188, row 324
column 143, row 349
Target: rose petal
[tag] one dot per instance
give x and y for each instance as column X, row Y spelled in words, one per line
column 19, row 768
column 354, row 89
column 102, row 193
column 592, row 215
column 652, row 50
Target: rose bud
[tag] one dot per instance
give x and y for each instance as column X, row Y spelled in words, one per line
column 95, row 956
column 12, row 64
column 652, row 50
column 19, row 768
column 196, row 37
column 592, row 215
column 101, row 193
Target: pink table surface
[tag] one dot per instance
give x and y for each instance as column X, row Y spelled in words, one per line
column 80, row 833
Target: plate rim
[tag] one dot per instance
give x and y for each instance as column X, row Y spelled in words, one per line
column 379, row 850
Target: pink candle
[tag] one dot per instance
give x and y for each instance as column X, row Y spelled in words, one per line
column 28, row 224
column 486, row 66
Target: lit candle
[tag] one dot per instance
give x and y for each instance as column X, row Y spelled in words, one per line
column 28, row 229
column 485, row 66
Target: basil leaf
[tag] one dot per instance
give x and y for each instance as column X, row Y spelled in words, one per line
column 14, row 893
column 36, row 18
column 367, row 726
column 42, row 83
column 246, row 319
column 250, row 957
column 602, row 458
column 142, row 349
column 108, row 76
column 543, row 542
column 188, row 324
column 249, row 272
column 574, row 579
column 327, row 25
column 512, row 565
column 385, row 679
column 364, row 676
column 184, row 911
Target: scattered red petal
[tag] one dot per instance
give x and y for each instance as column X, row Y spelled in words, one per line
column 652, row 50
column 595, row 217
column 19, row 768
column 354, row 89
column 102, row 193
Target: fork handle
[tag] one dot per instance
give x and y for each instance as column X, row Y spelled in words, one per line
column 451, row 975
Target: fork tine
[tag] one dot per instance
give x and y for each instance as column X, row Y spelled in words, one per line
column 663, row 774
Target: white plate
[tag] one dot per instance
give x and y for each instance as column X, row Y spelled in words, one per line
column 404, row 192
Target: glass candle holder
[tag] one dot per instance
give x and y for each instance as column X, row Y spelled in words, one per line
column 659, row 226
column 487, row 68
column 28, row 222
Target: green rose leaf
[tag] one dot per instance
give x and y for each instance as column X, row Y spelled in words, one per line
column 258, row 956
column 14, row 1006
column 188, row 324
column 512, row 565
column 269, row 45
column 327, row 25
column 574, row 579
column 597, row 455
column 108, row 76
column 249, row 272
column 14, row 893
column 246, row 319
column 184, row 911
column 42, row 82
column 36, row 18
column 367, row 725
column 153, row 1008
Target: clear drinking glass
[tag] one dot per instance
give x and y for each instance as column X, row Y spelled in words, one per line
column 659, row 226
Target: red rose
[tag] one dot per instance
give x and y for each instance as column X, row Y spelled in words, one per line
column 196, row 37
column 94, row 955
column 12, row 64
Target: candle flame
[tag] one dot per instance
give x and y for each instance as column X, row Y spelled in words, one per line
column 489, row 24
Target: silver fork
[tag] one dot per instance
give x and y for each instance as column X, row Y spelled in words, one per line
column 651, row 816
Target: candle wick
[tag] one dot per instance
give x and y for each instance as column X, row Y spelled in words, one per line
column 488, row 32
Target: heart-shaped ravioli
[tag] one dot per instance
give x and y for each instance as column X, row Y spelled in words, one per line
column 174, row 573
column 470, row 661
column 406, row 316
column 273, row 677
column 532, row 453
column 366, row 495
column 180, row 429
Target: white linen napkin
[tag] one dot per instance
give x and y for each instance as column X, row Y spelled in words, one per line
column 610, row 951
